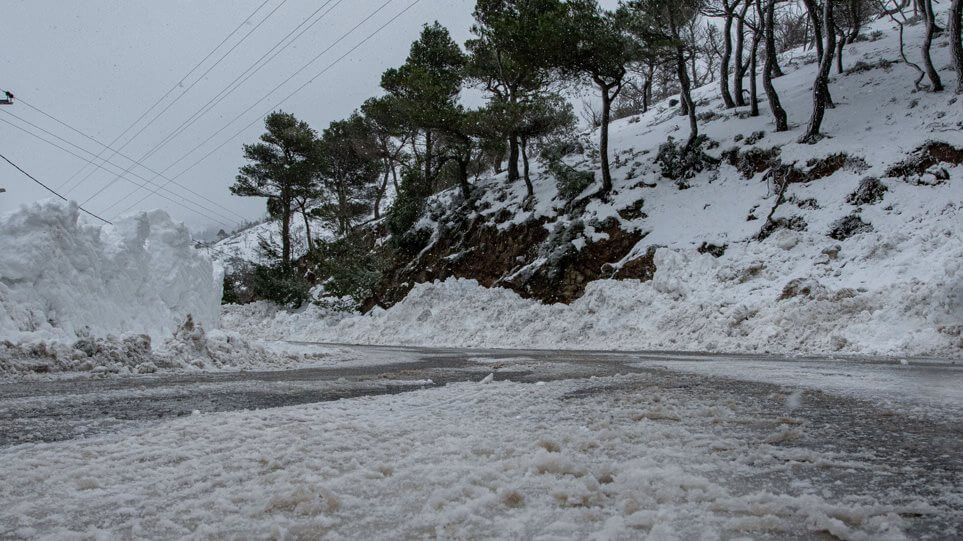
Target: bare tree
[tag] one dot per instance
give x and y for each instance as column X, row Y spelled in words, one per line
column 821, row 98
column 851, row 15
column 891, row 13
column 591, row 113
column 767, row 18
column 740, row 65
column 728, row 13
column 931, row 31
column 636, row 95
column 792, row 29
column 956, row 43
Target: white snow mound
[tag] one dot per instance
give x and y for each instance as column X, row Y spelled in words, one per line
column 62, row 277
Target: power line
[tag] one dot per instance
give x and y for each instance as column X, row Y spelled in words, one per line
column 122, row 155
column 171, row 89
column 231, row 87
column 49, row 189
column 54, row 135
column 244, row 76
column 199, row 78
column 101, row 166
column 309, row 81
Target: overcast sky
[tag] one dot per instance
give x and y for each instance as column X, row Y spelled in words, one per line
column 98, row 65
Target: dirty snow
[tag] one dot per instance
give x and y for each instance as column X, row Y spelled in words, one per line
column 504, row 460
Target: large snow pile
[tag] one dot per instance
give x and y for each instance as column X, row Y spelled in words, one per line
column 868, row 261
column 62, row 278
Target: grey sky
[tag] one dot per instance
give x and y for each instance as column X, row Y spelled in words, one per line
column 97, row 65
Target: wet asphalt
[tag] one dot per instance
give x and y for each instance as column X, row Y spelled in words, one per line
column 59, row 409
column 902, row 419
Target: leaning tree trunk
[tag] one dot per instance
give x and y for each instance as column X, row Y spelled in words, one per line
column 686, row 93
column 307, row 226
column 821, row 84
column 740, row 65
column 753, row 61
column 380, row 194
column 956, row 43
column 813, row 10
column 285, row 229
column 525, row 169
column 778, row 113
column 394, row 177
column 934, row 76
column 770, row 38
column 463, row 179
column 647, row 87
column 928, row 4
column 513, row 158
column 840, row 44
column 604, row 133
column 724, row 61
column 429, row 147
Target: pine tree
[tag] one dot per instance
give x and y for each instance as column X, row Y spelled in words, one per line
column 426, row 89
column 393, row 133
column 348, row 155
column 512, row 57
column 282, row 170
column 600, row 49
column 660, row 23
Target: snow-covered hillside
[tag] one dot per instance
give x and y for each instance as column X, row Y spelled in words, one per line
column 865, row 255
column 246, row 244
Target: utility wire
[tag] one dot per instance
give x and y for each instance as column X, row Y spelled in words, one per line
column 49, row 189
column 244, row 76
column 122, row 155
column 199, row 78
column 171, row 89
column 305, row 84
column 227, row 90
column 101, row 166
column 54, row 135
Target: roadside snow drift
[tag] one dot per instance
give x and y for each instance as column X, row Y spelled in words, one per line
column 62, row 278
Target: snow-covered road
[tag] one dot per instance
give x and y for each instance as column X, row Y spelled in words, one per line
column 559, row 445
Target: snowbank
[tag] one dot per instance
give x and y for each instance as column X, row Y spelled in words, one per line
column 187, row 351
column 694, row 303
column 62, row 278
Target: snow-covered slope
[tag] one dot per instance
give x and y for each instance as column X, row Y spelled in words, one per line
column 854, row 272
column 245, row 244
column 62, row 277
